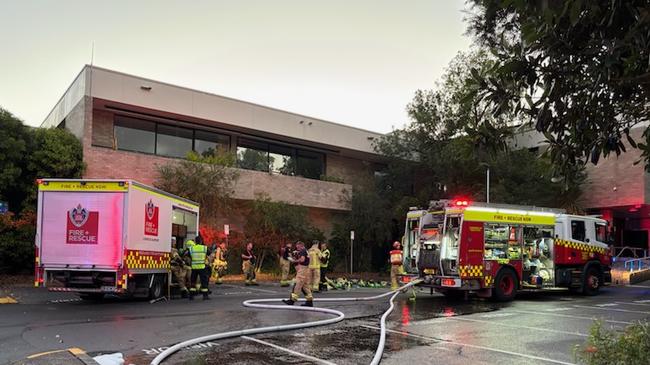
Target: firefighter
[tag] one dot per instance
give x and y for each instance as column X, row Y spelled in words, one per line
column 395, row 264
column 180, row 271
column 324, row 263
column 314, row 266
column 248, row 264
column 219, row 265
column 303, row 277
column 198, row 253
column 285, row 265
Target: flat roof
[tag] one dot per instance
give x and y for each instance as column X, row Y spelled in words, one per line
column 141, row 92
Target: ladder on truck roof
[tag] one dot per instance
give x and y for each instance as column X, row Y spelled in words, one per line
column 435, row 203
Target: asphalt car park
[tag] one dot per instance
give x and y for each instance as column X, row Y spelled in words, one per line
column 537, row 328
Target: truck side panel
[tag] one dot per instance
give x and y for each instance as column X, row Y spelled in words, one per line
column 150, row 221
column 81, row 229
column 470, row 263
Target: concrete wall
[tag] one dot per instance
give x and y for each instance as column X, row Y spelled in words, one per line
column 69, row 101
column 127, row 89
column 352, row 171
column 616, row 180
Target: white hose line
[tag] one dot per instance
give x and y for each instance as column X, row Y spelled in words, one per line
column 255, row 303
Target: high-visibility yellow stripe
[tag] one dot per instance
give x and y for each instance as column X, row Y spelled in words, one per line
column 80, row 185
column 191, row 205
column 528, row 218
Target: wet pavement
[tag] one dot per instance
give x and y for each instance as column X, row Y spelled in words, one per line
column 540, row 328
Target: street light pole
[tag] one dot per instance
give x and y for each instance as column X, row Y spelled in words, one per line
column 488, row 185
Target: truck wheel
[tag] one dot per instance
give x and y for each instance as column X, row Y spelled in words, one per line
column 505, row 286
column 91, row 296
column 591, row 281
column 156, row 290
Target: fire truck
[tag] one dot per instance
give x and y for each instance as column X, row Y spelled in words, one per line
column 95, row 237
column 459, row 247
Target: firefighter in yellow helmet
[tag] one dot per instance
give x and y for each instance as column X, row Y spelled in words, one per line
column 303, row 277
column 395, row 264
column 314, row 266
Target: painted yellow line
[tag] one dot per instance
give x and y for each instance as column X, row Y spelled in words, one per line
column 44, row 353
column 76, row 351
column 8, row 300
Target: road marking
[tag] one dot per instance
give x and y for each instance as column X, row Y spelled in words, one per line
column 310, row 358
column 570, row 316
column 497, row 315
column 516, row 326
column 58, row 301
column 642, row 301
column 238, row 292
column 560, row 309
column 639, row 286
column 610, row 309
column 7, row 300
column 629, row 303
column 440, row 340
column 44, row 353
column 606, row 305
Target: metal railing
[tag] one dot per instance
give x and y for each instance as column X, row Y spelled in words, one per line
column 637, row 264
column 635, row 251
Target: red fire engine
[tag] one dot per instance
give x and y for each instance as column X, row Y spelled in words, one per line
column 493, row 250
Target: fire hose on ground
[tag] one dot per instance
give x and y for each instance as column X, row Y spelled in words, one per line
column 261, row 303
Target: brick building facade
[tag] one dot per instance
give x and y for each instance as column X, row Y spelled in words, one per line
column 128, row 125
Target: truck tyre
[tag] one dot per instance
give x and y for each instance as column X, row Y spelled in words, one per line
column 91, row 296
column 591, row 281
column 156, row 290
column 505, row 286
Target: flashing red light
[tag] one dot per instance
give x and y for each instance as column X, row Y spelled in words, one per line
column 119, row 283
column 462, row 203
column 406, row 279
column 130, row 275
column 40, row 280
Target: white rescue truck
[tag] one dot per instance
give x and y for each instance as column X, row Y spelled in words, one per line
column 96, row 237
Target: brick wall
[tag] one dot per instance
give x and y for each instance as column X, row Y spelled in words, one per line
column 616, row 181
column 108, row 163
column 102, row 133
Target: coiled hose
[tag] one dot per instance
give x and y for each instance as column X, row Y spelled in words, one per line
column 259, row 303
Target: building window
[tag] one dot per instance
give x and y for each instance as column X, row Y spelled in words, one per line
column 310, row 164
column 135, row 134
column 578, row 230
column 208, row 143
column 281, row 160
column 173, row 141
column 253, row 155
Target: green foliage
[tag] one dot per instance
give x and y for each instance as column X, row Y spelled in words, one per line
column 607, row 347
column 452, row 141
column 371, row 219
column 25, row 155
column 206, row 179
column 270, row 224
column 576, row 70
column 330, row 178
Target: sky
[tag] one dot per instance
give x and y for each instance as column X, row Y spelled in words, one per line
column 352, row 62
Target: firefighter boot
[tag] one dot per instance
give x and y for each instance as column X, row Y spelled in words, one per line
column 206, row 296
column 191, row 295
column 288, row 301
column 308, row 303
column 184, row 294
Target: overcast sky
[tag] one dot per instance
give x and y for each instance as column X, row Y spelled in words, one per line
column 352, row 62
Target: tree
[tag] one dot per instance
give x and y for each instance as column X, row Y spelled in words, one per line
column 207, row 180
column 14, row 137
column 577, row 70
column 454, row 138
column 271, row 224
column 25, row 155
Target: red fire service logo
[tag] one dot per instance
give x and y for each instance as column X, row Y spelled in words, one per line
column 150, row 219
column 82, row 226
